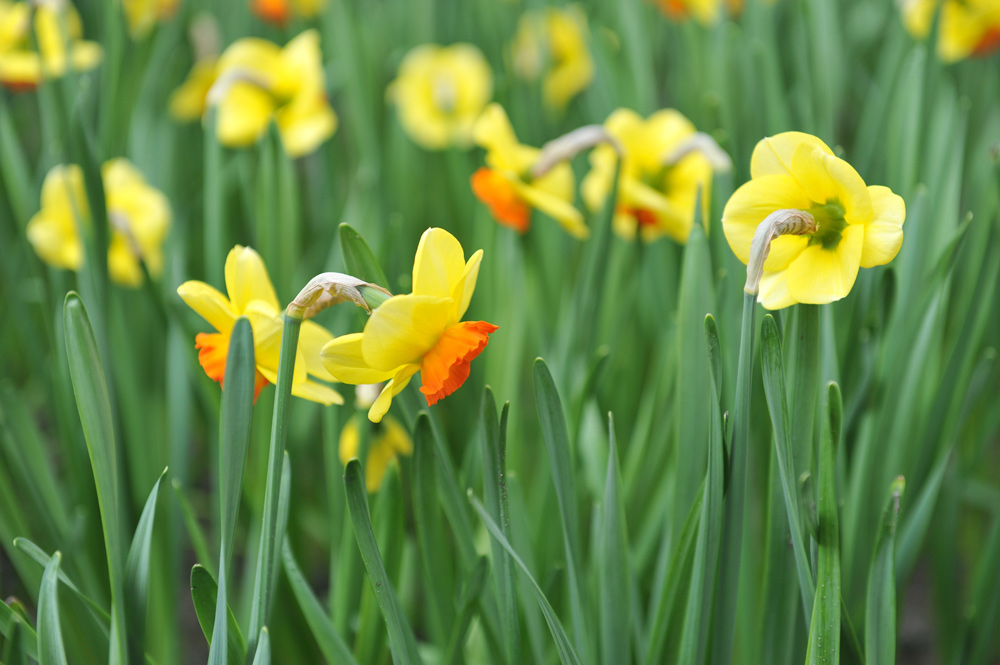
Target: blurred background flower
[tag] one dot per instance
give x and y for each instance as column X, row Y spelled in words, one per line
column 553, row 41
column 33, row 50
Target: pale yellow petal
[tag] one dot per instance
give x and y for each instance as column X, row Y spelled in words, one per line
column 884, row 234
column 188, row 101
column 439, row 264
column 784, row 250
column 773, row 155
column 247, row 279
column 394, row 387
column 312, row 338
column 403, row 329
column 316, row 392
column 305, row 124
column 819, row 276
column 243, row 114
column 123, row 265
column 343, row 360
column 209, row 303
column 752, row 202
column 555, row 207
column 773, row 293
column 466, row 286
column 85, row 55
column 827, row 179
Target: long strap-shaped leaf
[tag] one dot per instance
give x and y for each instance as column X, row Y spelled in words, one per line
column 50, row 641
column 401, row 640
column 880, row 612
column 204, row 595
column 614, row 578
column 137, row 574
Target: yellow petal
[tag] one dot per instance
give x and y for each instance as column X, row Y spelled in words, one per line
column 464, row 289
column 773, row 155
column 396, row 437
column 773, row 293
column 55, row 239
column 254, row 57
column 20, row 69
column 884, row 234
column 393, row 388
column 439, row 264
column 343, row 360
column 267, row 324
column 305, row 124
column 820, row 275
column 493, row 129
column 247, row 280
column 403, row 329
column 316, row 392
column 350, row 441
column 784, row 250
column 123, row 266
column 537, row 196
column 209, row 304
column 243, row 114
column 826, row 178
column 312, row 338
column 85, row 55
column 752, row 202
column 188, row 101
column 301, row 65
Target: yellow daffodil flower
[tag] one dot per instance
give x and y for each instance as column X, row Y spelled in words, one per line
column 968, row 27
column 139, row 216
column 507, row 186
column 22, row 67
column 420, row 332
column 255, row 82
column 857, row 226
column 389, row 440
column 554, row 39
column 659, row 178
column 440, row 92
column 279, row 11
column 142, row 15
column 252, row 295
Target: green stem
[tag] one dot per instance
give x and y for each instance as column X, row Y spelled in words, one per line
column 214, row 211
column 270, row 539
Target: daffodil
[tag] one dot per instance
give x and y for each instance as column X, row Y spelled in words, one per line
column 856, row 226
column 968, row 27
column 440, row 92
column 661, row 172
column 255, row 82
column 142, row 15
column 554, row 40
column 139, row 216
column 388, row 440
column 507, row 186
column 279, row 11
column 22, row 64
column 252, row 295
column 419, row 332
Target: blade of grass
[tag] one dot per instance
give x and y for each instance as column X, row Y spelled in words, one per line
column 880, row 614
column 50, row 639
column 199, row 543
column 263, row 655
column 615, row 566
column 358, row 257
column 137, row 575
column 204, row 596
column 39, row 556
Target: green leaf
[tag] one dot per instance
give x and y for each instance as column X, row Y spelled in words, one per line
column 824, row 632
column 204, row 595
column 553, row 424
column 214, row 203
column 468, row 600
column 880, row 614
column 777, row 404
column 564, row 647
column 41, row 557
column 137, row 574
column 494, row 457
column 234, row 440
column 401, row 640
column 614, row 575
column 18, row 642
column 94, row 406
column 263, row 655
column 330, row 643
column 50, row 640
column 194, row 531
column 359, row 258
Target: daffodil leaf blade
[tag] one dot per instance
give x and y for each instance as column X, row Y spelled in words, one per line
column 472, row 589
column 880, row 609
column 614, row 578
column 204, row 595
column 137, row 567
column 358, row 257
column 50, row 640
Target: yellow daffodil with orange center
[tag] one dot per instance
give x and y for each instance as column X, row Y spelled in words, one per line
column 279, row 12
column 659, row 178
column 142, row 15
column 554, row 40
column 388, row 440
column 857, row 226
column 255, row 82
column 419, row 332
column 440, row 92
column 968, row 27
column 29, row 53
column 139, row 216
column 252, row 295
column 507, row 187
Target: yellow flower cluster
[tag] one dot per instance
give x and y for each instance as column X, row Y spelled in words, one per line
column 968, row 27
column 30, row 53
column 139, row 216
column 255, row 82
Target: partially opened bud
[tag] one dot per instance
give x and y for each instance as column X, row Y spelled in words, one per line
column 332, row 288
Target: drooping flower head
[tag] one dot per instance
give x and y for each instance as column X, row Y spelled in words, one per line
column 279, row 11
column 440, row 92
column 139, row 216
column 389, row 440
column 26, row 58
column 507, row 186
column 255, row 82
column 419, row 332
column 554, row 41
column 252, row 295
column 142, row 15
column 857, row 226
column 661, row 172
column 968, row 27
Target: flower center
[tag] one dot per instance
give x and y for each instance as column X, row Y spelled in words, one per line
column 444, row 94
column 830, row 223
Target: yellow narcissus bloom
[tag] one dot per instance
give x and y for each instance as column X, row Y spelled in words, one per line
column 22, row 65
column 252, row 295
column 857, row 226
column 554, row 39
column 279, row 11
column 388, row 440
column 440, row 92
column 420, row 332
column 507, row 185
column 968, row 27
column 139, row 216
column 142, row 15
column 659, row 179
column 254, row 82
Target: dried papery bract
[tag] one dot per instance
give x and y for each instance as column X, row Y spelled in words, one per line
column 570, row 145
column 700, row 142
column 778, row 223
column 332, row 288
